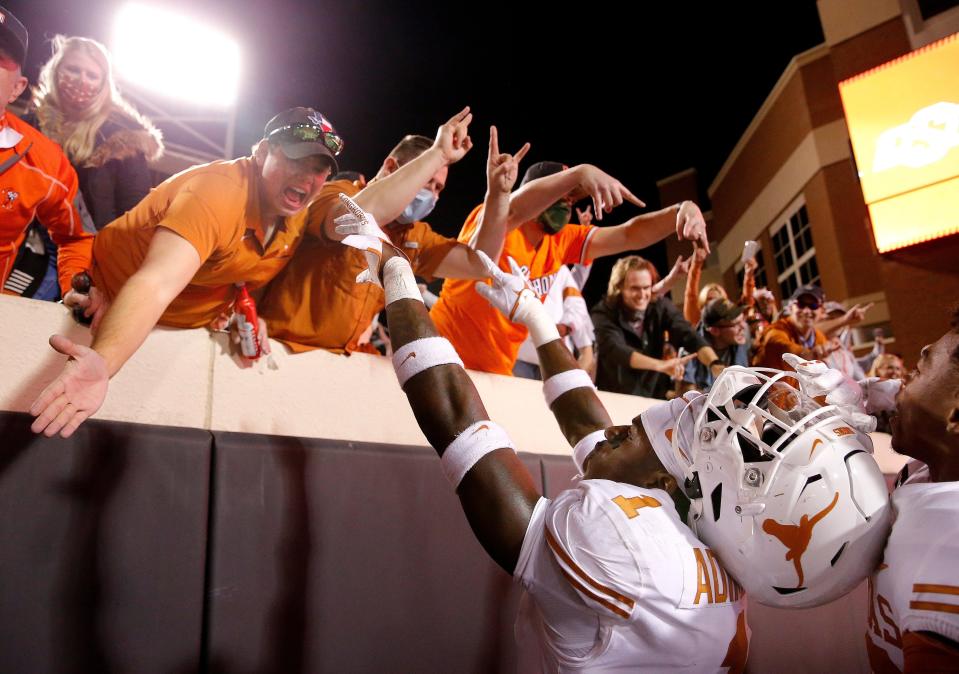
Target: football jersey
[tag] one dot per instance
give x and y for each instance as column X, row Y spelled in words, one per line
column 916, row 587
column 615, row 582
column 484, row 338
column 563, row 294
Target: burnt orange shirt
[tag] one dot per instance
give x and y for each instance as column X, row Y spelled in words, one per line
column 316, row 303
column 484, row 338
column 41, row 184
column 216, row 208
column 780, row 338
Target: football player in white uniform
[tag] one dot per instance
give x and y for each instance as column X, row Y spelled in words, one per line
column 913, row 622
column 616, row 581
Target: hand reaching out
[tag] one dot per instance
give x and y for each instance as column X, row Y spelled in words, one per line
column 73, row 396
column 691, row 225
column 606, row 192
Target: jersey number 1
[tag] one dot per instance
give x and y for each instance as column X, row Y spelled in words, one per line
column 631, row 506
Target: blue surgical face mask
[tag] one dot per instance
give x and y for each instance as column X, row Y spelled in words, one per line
column 421, row 206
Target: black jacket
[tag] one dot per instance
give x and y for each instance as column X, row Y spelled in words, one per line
column 116, row 177
column 616, row 342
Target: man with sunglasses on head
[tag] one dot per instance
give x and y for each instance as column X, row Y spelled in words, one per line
column 315, row 303
column 794, row 333
column 174, row 258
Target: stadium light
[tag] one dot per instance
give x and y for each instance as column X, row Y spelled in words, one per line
column 176, row 56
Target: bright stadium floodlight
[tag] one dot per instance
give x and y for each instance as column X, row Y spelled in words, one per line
column 175, row 56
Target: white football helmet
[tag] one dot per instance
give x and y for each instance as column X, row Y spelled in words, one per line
column 783, row 489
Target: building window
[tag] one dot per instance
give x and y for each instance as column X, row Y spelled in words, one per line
column 794, row 252
column 930, row 8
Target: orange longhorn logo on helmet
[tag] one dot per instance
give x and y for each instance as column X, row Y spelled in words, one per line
column 796, row 537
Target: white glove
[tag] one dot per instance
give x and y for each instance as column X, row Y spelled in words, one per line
column 365, row 235
column 880, row 394
column 511, row 295
column 818, row 379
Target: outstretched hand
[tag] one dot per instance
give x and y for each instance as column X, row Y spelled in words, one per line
column 691, row 225
column 73, row 396
column 508, row 291
column 606, row 192
column 857, row 313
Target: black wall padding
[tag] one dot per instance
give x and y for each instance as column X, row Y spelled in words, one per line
column 343, row 557
column 102, row 548
column 316, row 556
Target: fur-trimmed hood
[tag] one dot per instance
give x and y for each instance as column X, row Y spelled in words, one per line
column 122, row 137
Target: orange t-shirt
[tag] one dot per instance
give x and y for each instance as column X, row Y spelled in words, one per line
column 484, row 338
column 781, row 338
column 216, row 208
column 316, row 302
column 41, row 184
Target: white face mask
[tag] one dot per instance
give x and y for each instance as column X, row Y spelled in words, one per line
column 422, row 205
column 9, row 137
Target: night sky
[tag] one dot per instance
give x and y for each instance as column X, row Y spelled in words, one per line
column 642, row 93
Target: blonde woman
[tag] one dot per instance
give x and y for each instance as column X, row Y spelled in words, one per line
column 887, row 366
column 77, row 103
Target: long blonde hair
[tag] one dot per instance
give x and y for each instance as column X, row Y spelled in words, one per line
column 78, row 136
column 708, row 288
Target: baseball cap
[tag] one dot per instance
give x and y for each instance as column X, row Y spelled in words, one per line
column 815, row 291
column 303, row 132
column 834, row 307
column 720, row 310
column 13, row 36
column 542, row 169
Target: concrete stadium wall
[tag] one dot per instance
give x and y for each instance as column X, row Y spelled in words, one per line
column 188, row 378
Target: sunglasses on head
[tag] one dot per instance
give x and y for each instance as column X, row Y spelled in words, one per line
column 309, row 133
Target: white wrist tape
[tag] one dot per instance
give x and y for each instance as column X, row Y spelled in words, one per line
column 399, row 283
column 585, row 447
column 560, row 383
column 422, row 354
column 529, row 311
column 470, row 446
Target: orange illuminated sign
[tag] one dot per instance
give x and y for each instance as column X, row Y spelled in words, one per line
column 903, row 120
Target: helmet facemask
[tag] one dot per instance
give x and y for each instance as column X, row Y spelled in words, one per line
column 782, row 488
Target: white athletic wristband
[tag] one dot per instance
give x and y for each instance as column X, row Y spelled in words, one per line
column 422, row 354
column 471, row 445
column 560, row 383
column 585, row 447
column 530, row 312
column 399, row 283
